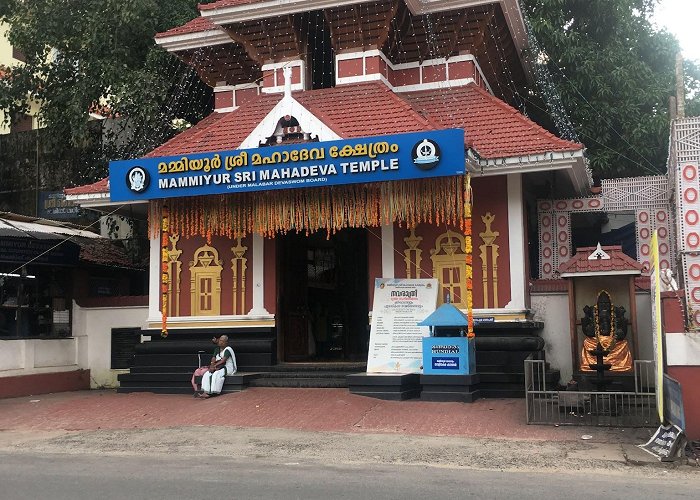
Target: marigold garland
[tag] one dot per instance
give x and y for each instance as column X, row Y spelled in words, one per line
column 438, row 200
column 164, row 271
column 467, row 224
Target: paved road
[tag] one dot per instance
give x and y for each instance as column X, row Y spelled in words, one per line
column 71, row 477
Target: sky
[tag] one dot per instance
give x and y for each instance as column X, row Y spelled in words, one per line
column 682, row 18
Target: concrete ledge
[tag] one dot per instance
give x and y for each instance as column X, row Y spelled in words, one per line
column 235, row 383
column 461, row 388
column 388, row 386
column 44, row 383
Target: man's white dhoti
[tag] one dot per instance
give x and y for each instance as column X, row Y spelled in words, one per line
column 212, row 383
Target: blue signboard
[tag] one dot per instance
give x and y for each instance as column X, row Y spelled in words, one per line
column 432, row 153
column 448, row 356
column 673, row 402
column 53, row 205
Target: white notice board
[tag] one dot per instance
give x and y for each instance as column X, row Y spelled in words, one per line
column 395, row 339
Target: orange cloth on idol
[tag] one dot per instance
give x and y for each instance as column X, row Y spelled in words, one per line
column 619, row 357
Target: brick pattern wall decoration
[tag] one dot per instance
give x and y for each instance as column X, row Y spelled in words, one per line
column 647, row 196
column 684, row 169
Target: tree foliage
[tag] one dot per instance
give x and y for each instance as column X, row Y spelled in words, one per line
column 615, row 73
column 85, row 53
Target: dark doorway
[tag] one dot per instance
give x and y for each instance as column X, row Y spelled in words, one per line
column 322, row 296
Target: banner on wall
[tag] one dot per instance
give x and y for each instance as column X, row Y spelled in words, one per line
column 431, row 153
column 395, row 339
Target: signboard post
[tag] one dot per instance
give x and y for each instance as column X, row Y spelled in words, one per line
column 668, row 442
column 656, row 325
column 395, row 340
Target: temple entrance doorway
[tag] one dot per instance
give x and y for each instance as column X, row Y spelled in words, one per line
column 322, row 296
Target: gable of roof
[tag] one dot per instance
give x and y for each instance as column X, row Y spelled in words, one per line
column 618, row 263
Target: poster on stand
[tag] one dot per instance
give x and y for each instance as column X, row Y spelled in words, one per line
column 395, row 340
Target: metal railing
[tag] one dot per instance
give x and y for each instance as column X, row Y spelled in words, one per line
column 610, row 408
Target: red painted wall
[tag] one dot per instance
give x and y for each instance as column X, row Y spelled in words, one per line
column 462, row 69
column 688, row 377
column 350, row 67
column 223, row 99
column 44, row 383
column 245, row 95
column 404, row 77
column 223, row 245
column 491, row 195
column 436, row 73
column 671, row 313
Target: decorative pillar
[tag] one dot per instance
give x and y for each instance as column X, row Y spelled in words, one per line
column 258, row 277
column 516, row 242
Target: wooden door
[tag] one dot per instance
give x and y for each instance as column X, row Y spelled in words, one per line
column 293, row 297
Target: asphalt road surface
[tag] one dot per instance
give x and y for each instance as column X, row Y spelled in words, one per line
column 29, row 475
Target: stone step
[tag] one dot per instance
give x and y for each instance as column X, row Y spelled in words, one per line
column 337, row 382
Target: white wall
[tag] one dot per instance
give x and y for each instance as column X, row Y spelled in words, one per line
column 93, row 326
column 553, row 309
column 33, row 356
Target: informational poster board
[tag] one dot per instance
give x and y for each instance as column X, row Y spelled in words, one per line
column 395, row 339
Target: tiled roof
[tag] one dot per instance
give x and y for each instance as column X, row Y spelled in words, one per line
column 492, row 128
column 196, row 25
column 618, row 263
column 226, row 3
column 101, row 186
column 219, row 131
column 104, row 252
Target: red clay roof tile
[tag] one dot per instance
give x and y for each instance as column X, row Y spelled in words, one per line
column 101, row 186
column 196, row 25
column 226, row 3
column 618, row 262
column 492, row 128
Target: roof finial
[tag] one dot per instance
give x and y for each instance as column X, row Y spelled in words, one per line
column 599, row 254
column 287, row 81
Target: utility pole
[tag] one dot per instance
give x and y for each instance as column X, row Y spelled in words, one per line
column 680, row 87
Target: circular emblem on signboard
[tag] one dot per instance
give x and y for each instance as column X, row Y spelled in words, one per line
column 426, row 154
column 137, row 179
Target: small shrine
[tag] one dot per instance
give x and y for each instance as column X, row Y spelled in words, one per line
column 603, row 315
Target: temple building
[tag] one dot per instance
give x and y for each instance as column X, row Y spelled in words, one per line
column 287, row 269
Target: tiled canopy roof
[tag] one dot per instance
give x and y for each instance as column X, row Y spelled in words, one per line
column 492, row 128
column 196, row 25
column 101, row 186
column 225, row 3
column 618, row 263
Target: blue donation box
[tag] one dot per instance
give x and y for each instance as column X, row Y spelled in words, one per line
column 447, row 351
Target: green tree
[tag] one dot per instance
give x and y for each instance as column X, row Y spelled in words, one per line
column 79, row 52
column 615, row 73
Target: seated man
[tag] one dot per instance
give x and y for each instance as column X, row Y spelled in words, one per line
column 223, row 363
